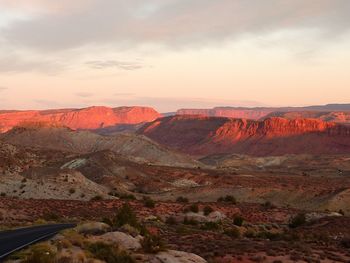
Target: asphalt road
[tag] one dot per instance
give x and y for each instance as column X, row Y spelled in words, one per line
column 13, row 240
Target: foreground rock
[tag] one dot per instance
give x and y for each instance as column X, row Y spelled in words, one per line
column 173, row 256
column 124, row 241
column 93, row 228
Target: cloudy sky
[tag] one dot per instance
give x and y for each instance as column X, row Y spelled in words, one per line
column 173, row 53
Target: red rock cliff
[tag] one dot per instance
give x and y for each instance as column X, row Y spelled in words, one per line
column 274, row 136
column 87, row 118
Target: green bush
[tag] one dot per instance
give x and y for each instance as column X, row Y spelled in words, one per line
column 171, row 220
column 148, row 202
column 194, row 208
column 71, row 190
column 127, row 196
column 232, row 232
column 207, row 210
column 268, row 205
column 182, row 199
column 109, row 253
column 269, row 235
column 125, row 216
column 345, row 242
column 96, row 198
column 297, row 221
column 40, row 253
column 191, row 221
column 152, row 244
column 250, row 233
column 238, row 221
column 228, row 199
column 51, row 216
column 210, row 226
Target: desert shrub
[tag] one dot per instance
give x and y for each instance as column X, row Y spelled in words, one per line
column 232, row 232
column 74, row 238
column 341, row 211
column 210, row 226
column 268, row 235
column 250, row 233
column 238, row 221
column 207, row 210
column 268, row 205
column 130, row 230
column 96, row 198
column 64, row 259
column 148, row 202
column 228, row 199
column 51, row 216
column 126, row 196
column 40, row 253
column 152, row 244
column 297, row 221
column 125, row 216
column 71, row 190
column 182, row 199
column 290, row 236
column 107, row 221
column 171, row 220
column 109, row 253
column 190, row 221
column 3, row 194
column 194, row 208
column 345, row 242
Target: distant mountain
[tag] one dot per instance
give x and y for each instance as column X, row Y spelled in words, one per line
column 262, row 112
column 200, row 135
column 86, row 118
column 333, row 116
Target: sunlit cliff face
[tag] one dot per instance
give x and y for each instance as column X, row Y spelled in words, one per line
column 173, row 54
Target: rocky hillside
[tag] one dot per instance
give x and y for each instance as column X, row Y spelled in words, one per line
column 134, row 147
column 274, row 136
column 86, row 118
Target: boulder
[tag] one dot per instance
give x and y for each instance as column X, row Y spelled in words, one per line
column 123, row 240
column 93, row 228
column 173, row 256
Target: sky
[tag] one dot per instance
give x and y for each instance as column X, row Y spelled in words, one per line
column 172, row 54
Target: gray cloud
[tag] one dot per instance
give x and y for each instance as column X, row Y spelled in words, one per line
column 175, row 23
column 106, row 64
column 2, row 88
column 14, row 63
column 84, row 94
column 123, row 94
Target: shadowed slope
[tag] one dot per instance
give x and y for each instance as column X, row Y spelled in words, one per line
column 135, row 147
column 274, row 136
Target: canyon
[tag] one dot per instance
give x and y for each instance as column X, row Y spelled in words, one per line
column 186, row 177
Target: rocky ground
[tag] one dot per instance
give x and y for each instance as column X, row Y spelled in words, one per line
column 181, row 232
column 218, row 208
